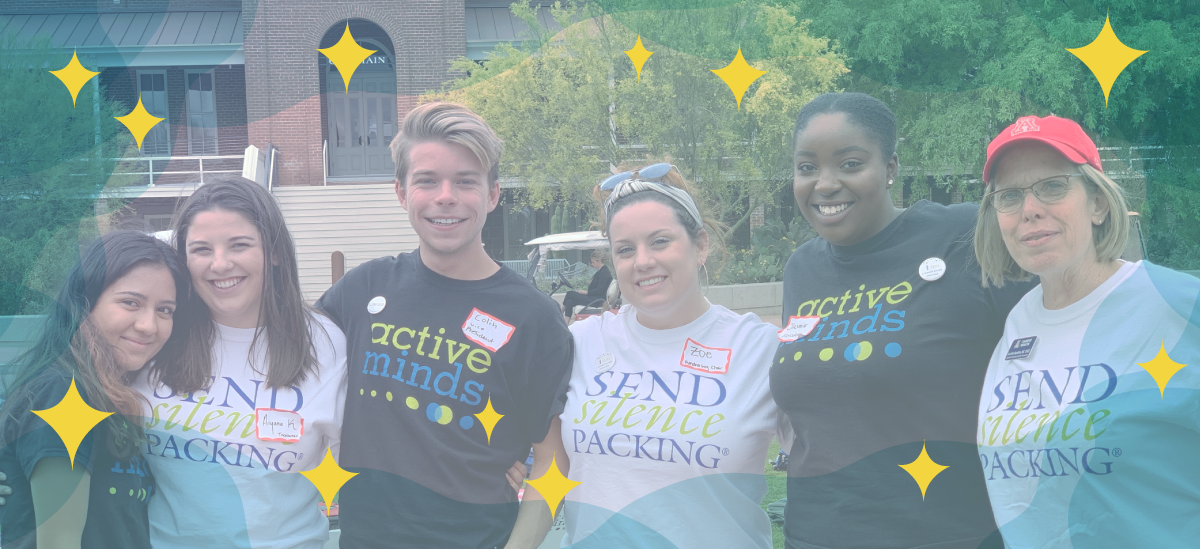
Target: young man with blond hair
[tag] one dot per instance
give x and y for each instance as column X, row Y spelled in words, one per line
column 441, row 341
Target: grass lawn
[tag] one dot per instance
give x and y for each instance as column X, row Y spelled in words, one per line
column 776, row 488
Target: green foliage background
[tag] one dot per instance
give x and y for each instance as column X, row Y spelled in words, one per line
column 54, row 161
column 955, row 72
column 571, row 108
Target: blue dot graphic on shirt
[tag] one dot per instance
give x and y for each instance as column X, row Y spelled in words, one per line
column 858, row 351
column 439, row 414
column 892, row 349
column 466, row 422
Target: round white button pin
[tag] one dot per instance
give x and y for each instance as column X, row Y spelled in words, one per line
column 376, row 304
column 932, row 269
column 604, row 362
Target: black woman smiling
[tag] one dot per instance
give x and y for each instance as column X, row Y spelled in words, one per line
column 887, row 336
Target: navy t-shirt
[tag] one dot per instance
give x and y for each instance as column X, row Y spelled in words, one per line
column 426, row 353
column 895, row 363
column 120, row 486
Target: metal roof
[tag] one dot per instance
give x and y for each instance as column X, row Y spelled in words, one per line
column 212, row 37
column 488, row 26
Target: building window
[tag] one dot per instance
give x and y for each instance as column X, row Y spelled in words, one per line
column 158, row 222
column 201, row 114
column 152, row 88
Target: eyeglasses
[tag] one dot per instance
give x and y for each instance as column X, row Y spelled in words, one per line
column 648, row 173
column 1048, row 191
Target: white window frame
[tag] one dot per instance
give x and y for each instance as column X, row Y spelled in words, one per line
column 157, row 217
column 187, row 115
column 137, row 87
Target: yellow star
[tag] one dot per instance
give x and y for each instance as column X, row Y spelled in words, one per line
column 553, row 486
column 1161, row 368
column 488, row 418
column 139, row 122
column 346, row 55
column 74, row 76
column 72, row 418
column 738, row 75
column 1106, row 56
column 638, row 54
column 328, row 477
column 923, row 470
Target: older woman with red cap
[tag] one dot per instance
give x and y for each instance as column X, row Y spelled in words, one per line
column 1077, row 450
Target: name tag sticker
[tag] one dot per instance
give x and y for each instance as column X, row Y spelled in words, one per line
column 277, row 425
column 705, row 359
column 798, row 327
column 1020, row 348
column 487, row 330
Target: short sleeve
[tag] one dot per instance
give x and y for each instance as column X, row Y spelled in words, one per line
column 36, row 440
column 332, row 302
column 550, row 361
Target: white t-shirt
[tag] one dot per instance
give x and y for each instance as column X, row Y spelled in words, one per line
column 668, row 432
column 1079, row 448
column 219, row 483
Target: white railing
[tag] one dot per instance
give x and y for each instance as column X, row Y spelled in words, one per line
column 553, row 267
column 151, row 174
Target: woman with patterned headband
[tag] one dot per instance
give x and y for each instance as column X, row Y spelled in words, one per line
column 668, row 414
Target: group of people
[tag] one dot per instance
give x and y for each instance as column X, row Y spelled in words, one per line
column 945, row 376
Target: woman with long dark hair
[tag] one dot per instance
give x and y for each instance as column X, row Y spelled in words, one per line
column 119, row 309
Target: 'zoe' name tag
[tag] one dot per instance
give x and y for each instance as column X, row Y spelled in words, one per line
column 1020, row 348
column 277, row 425
column 487, row 330
column 798, row 327
column 705, row 359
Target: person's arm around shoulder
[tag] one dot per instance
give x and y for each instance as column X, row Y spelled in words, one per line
column 60, row 502
column 534, row 518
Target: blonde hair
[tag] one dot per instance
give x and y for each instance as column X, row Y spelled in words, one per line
column 1108, row 238
column 452, row 123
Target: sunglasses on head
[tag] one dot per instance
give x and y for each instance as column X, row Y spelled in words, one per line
column 648, row 173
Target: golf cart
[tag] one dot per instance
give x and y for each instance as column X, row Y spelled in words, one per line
column 583, row 240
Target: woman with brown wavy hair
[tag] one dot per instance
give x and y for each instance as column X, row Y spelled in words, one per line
column 259, row 395
column 116, row 312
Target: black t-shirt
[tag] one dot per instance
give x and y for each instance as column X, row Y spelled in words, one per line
column 120, row 487
column 598, row 287
column 425, row 353
column 896, row 361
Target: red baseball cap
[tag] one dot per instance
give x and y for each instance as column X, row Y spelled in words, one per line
column 1064, row 135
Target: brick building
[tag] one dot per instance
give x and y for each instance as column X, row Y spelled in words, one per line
column 232, row 76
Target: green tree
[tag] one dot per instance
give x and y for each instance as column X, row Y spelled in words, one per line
column 54, row 160
column 570, row 106
column 958, row 71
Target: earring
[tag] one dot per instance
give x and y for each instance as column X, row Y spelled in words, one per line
column 889, row 182
column 706, row 279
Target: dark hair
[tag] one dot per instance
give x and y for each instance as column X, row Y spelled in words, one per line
column 860, row 109
column 282, row 316
column 69, row 345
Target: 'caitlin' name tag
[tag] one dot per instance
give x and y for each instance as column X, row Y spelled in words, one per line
column 487, row 330
column 798, row 327
column 711, row 360
column 277, row 425
column 1020, row 348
